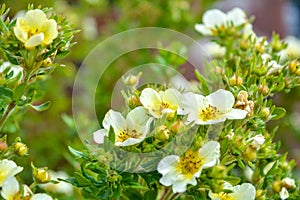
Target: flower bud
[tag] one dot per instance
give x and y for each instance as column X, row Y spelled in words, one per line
column 264, row 89
column 3, row 145
column 133, row 102
column 245, row 44
column 177, row 126
column 265, row 112
column 234, row 80
column 288, row 183
column 260, row 70
column 131, row 80
column 276, row 187
column 41, row 175
column 250, row 153
column 260, row 48
column 163, row 133
column 20, row 149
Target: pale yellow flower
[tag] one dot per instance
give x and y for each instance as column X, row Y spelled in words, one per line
column 35, row 29
column 8, row 169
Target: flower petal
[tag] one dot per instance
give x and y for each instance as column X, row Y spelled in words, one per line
column 151, row 100
column 172, row 97
column 203, row 29
column 236, row 114
column 237, row 16
column 35, row 18
column 213, row 18
column 99, row 136
column 210, row 152
column 8, row 168
column 284, row 194
column 137, row 117
column 222, row 99
column 130, row 141
column 167, row 164
column 34, row 40
column 20, row 33
column 115, row 120
column 246, row 191
column 49, row 29
column 10, row 188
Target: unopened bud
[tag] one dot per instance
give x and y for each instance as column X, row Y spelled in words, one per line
column 250, row 153
column 177, row 126
column 133, row 102
column 264, row 89
column 276, row 187
column 21, row 149
column 163, row 133
column 41, row 175
column 295, row 67
column 260, row 48
column 234, row 80
column 131, row 80
column 265, row 112
column 245, row 44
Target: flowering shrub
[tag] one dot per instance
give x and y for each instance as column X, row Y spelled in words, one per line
column 207, row 140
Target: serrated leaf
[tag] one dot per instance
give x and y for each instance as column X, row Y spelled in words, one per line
column 41, row 107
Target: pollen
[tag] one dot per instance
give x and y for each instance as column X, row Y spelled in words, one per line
column 125, row 134
column 190, row 163
column 209, row 113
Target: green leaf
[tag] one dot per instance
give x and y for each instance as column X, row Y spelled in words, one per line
column 41, row 107
column 150, row 195
column 278, row 113
column 133, row 194
column 76, row 153
column 203, row 83
column 19, row 91
column 111, row 135
column 5, row 92
column 11, row 58
column 62, row 54
column 82, row 181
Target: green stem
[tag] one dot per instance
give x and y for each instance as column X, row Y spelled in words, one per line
column 10, row 109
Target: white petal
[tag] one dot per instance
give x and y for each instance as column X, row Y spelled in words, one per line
column 222, row 99
column 137, row 117
column 179, row 186
column 237, row 16
column 213, row 18
column 35, row 18
column 150, row 99
column 167, row 164
column 20, row 34
column 34, row 40
column 115, row 120
column 208, row 122
column 203, row 29
column 99, row 136
column 8, row 168
column 210, row 152
column 41, row 196
column 189, row 103
column 49, row 29
column 10, row 188
column 246, row 191
column 213, row 196
column 172, row 97
column 284, row 194
column 236, row 114
column 130, row 141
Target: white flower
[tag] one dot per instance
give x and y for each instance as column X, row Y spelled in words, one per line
column 248, row 173
column 246, row 191
column 8, row 169
column 129, row 131
column 41, row 196
column 288, row 182
column 212, row 109
column 213, row 19
column 160, row 103
column 61, row 187
column 257, row 141
column 16, row 69
column 181, row 171
column 35, row 29
column 284, row 194
column 10, row 188
column 292, row 50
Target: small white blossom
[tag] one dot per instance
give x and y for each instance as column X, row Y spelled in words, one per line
column 10, row 188
column 160, row 103
column 212, row 109
column 179, row 171
column 213, row 19
column 284, row 194
column 129, row 131
column 246, row 191
column 41, row 196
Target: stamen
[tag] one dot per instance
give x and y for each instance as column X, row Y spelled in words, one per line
column 125, row 134
column 209, row 113
column 190, row 163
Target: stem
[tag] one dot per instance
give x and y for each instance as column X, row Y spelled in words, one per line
column 10, row 109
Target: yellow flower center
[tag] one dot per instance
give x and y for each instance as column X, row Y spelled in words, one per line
column 225, row 196
column 209, row 113
column 190, row 163
column 125, row 134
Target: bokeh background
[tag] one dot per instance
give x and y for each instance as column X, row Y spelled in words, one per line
column 49, row 134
